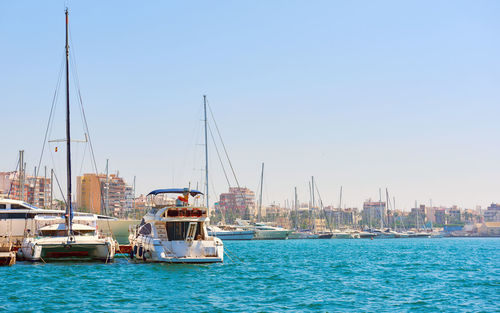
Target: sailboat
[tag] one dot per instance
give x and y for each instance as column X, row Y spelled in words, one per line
column 65, row 237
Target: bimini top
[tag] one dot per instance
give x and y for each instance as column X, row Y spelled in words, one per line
column 192, row 192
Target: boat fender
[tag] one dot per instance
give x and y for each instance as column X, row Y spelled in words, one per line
column 132, row 252
column 140, row 252
column 135, row 249
column 144, row 255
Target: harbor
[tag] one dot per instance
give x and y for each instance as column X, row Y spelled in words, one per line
column 269, row 156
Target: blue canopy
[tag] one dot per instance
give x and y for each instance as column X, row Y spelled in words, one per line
column 192, row 192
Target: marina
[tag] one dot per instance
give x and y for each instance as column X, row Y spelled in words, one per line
column 249, row 157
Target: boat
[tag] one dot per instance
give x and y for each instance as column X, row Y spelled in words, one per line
column 302, row 235
column 264, row 231
column 325, row 235
column 230, row 232
column 418, row 234
column 52, row 242
column 18, row 217
column 58, row 237
column 175, row 233
column 344, row 235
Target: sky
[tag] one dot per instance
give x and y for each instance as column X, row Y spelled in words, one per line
column 365, row 95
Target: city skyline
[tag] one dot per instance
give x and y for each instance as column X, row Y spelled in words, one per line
column 348, row 100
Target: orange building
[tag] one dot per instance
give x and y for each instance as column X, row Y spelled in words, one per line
column 88, row 195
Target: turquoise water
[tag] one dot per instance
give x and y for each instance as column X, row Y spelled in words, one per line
column 420, row 275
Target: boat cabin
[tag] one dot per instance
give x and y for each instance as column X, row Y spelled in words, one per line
column 175, row 221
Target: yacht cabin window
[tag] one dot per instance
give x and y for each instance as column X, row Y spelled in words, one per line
column 178, row 230
column 145, row 230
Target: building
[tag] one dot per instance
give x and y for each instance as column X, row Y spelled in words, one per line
column 237, row 203
column 454, row 215
column 490, row 229
column 101, row 194
column 440, row 216
column 31, row 189
column 374, row 214
column 417, row 217
column 492, row 213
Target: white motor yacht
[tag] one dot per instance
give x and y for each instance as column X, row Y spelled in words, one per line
column 53, row 240
column 230, row 232
column 175, row 233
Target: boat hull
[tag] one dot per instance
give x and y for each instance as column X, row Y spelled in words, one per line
column 50, row 250
column 233, row 235
column 299, row 235
column 272, row 234
column 147, row 249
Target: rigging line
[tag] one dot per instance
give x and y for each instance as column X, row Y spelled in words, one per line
column 83, row 159
column 227, row 156
column 322, row 208
column 223, row 145
column 60, row 190
column 218, row 155
column 76, row 80
column 12, row 181
column 54, row 101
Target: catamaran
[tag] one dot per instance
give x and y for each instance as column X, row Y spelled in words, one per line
column 175, row 233
column 58, row 237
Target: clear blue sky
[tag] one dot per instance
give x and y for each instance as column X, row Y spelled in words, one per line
column 363, row 94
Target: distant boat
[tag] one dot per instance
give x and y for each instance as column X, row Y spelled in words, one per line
column 264, row 231
column 302, row 235
column 268, row 232
column 229, row 232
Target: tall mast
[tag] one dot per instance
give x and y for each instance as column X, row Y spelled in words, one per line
column 260, row 196
column 21, row 175
column 387, row 205
column 340, row 208
column 381, row 208
column 68, row 136
column 296, row 211
column 206, row 151
column 106, row 202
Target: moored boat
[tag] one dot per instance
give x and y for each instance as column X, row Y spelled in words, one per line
column 229, row 232
column 53, row 240
column 175, row 233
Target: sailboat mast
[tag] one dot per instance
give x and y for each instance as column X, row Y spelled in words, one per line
column 296, row 211
column 68, row 136
column 206, row 150
column 260, row 196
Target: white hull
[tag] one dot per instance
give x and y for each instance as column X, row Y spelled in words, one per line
column 147, row 249
column 300, row 235
column 233, row 235
column 61, row 248
column 272, row 234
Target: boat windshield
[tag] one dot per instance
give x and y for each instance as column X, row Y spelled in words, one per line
column 178, row 230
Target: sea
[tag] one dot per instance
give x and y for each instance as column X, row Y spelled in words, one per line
column 386, row 275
